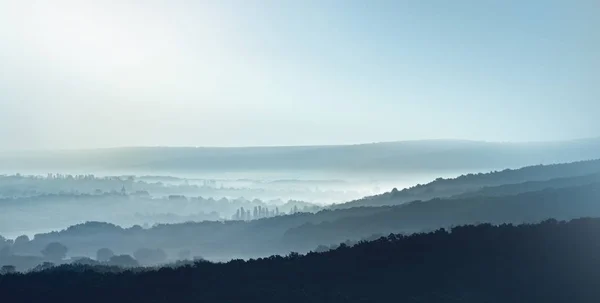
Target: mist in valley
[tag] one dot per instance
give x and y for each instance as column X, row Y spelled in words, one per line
column 299, row 151
column 222, row 213
column 33, row 203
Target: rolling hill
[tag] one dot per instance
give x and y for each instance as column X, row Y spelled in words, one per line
column 403, row 157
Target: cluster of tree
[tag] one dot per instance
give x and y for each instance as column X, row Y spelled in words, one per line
column 258, row 212
column 52, row 253
column 51, row 211
column 55, row 253
column 261, row 212
column 548, row 262
column 222, row 205
column 19, row 185
column 259, row 207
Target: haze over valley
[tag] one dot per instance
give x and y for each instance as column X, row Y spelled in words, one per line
column 299, row 151
column 148, row 186
column 257, row 214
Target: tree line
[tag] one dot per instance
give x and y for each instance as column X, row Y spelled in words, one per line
column 554, row 261
column 55, row 254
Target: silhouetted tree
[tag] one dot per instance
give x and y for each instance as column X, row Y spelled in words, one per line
column 20, row 243
column 104, row 254
column 43, row 266
column 85, row 261
column 55, row 251
column 7, row 269
column 184, row 254
column 123, row 261
column 147, row 256
column 5, row 251
column 321, row 248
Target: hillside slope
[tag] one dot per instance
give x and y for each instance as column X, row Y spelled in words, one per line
column 441, row 188
column 548, row 262
column 561, row 203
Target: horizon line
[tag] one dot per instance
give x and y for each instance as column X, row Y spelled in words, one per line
column 75, row 149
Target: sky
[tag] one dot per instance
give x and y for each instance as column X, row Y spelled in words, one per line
column 88, row 74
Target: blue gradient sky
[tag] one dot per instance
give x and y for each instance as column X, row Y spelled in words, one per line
column 78, row 74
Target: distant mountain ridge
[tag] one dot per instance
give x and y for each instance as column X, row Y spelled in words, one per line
column 388, row 157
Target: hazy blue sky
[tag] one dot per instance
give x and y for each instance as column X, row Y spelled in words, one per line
column 225, row 73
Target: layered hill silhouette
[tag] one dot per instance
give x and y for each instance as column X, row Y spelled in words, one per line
column 478, row 182
column 569, row 191
column 548, row 262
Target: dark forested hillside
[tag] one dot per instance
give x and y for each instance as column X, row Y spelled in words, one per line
column 473, row 182
column 548, row 262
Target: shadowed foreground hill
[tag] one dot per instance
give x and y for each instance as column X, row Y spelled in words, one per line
column 548, row 262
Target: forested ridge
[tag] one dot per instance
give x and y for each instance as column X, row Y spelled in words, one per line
column 548, row 262
column 468, row 183
column 559, row 203
column 561, row 198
